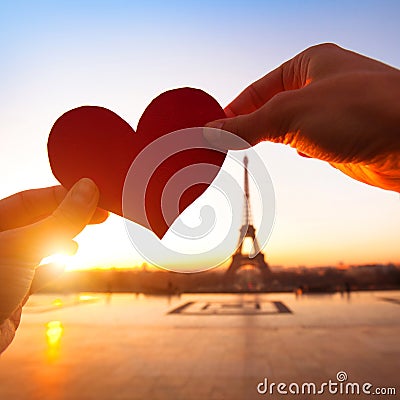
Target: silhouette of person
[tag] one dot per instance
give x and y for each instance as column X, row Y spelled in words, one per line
column 35, row 224
column 348, row 289
column 328, row 103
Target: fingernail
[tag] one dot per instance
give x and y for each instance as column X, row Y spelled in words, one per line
column 84, row 191
column 223, row 140
column 215, row 124
column 212, row 134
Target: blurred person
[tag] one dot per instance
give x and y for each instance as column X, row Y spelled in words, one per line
column 328, row 103
column 35, row 224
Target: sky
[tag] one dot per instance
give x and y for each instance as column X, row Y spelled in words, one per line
column 60, row 55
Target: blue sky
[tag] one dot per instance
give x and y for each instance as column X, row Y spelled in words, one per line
column 121, row 54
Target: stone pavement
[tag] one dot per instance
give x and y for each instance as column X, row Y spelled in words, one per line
column 201, row 346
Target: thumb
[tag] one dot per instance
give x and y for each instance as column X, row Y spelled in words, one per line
column 270, row 122
column 69, row 219
column 33, row 242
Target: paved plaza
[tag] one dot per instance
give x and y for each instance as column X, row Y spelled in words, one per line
column 209, row 346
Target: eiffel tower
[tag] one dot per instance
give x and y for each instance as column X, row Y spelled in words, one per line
column 239, row 259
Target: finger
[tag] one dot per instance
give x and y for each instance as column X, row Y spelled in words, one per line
column 32, row 205
column 72, row 215
column 257, row 94
column 44, row 275
column 50, row 234
column 16, row 278
column 15, row 317
column 99, row 216
column 29, row 206
column 7, row 333
column 69, row 248
column 270, row 122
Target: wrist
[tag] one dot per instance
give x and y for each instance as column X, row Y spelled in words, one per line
column 15, row 281
column 384, row 174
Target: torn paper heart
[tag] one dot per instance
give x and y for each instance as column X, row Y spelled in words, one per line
column 96, row 143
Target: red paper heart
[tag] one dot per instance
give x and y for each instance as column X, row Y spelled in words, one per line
column 96, row 143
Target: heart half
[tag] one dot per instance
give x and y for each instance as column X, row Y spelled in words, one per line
column 96, row 143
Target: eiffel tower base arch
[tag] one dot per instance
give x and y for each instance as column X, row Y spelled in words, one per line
column 239, row 260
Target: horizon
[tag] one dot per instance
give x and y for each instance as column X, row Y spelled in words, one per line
column 221, row 268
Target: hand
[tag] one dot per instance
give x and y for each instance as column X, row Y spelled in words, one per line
column 328, row 103
column 33, row 225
